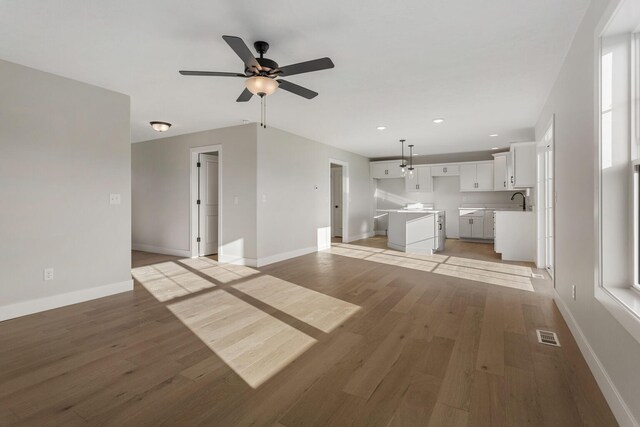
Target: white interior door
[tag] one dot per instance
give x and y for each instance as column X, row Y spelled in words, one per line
column 336, row 202
column 208, row 207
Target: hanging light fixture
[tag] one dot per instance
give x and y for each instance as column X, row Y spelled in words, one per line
column 403, row 165
column 160, row 126
column 261, row 86
column 410, row 168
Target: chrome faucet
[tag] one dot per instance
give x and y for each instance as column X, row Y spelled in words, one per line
column 524, row 200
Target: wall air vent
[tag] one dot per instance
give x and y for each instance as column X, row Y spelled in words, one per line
column 548, row 338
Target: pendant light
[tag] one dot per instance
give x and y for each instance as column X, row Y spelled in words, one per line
column 403, row 165
column 410, row 168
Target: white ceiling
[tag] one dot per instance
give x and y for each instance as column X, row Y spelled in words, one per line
column 485, row 66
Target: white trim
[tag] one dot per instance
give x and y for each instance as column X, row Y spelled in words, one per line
column 37, row 305
column 360, row 236
column 160, row 250
column 345, row 196
column 286, row 255
column 618, row 406
column 193, row 196
column 619, row 302
column 231, row 259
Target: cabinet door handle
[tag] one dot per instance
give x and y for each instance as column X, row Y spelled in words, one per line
column 505, row 184
column 512, row 179
column 417, row 186
column 470, row 220
column 439, row 226
column 444, row 170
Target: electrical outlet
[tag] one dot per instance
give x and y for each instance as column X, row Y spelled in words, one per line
column 114, row 199
column 48, row 274
column 573, row 291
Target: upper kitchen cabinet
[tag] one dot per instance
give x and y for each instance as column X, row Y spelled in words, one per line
column 523, row 155
column 502, row 171
column 420, row 180
column 477, row 176
column 445, row 170
column 387, row 169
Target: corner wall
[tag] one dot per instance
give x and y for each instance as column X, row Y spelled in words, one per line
column 612, row 353
column 293, row 216
column 161, row 192
column 64, row 148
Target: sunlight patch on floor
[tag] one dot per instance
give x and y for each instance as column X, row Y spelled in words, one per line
column 223, row 273
column 253, row 343
column 168, row 280
column 500, row 279
column 492, row 266
column 493, row 273
column 314, row 308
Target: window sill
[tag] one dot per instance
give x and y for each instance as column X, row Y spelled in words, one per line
column 624, row 305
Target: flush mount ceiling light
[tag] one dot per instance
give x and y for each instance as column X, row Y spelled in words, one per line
column 160, row 126
column 493, row 135
column 494, row 148
column 381, row 127
column 438, row 121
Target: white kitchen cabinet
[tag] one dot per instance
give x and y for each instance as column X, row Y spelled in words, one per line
column 387, row 169
column 515, row 235
column 489, row 224
column 476, row 176
column 501, row 172
column 524, row 164
column 445, row 170
column 420, row 180
column 471, row 228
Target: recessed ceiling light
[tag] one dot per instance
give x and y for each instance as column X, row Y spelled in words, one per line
column 438, row 121
column 160, row 126
column 493, row 135
column 381, row 127
column 494, row 148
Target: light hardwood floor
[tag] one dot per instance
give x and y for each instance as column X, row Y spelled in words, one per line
column 323, row 339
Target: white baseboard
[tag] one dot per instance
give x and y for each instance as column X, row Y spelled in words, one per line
column 360, row 236
column 232, row 259
column 286, row 255
column 161, row 250
column 617, row 404
column 24, row 308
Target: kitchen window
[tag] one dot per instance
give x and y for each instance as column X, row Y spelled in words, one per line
column 618, row 286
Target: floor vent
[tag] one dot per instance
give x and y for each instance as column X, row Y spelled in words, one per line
column 537, row 276
column 548, row 338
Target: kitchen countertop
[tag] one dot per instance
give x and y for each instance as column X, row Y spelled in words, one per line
column 410, row 210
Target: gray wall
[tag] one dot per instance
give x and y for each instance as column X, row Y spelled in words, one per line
column 291, row 210
column 573, row 100
column 64, row 147
column 161, row 192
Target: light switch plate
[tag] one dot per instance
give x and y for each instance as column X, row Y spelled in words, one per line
column 114, row 199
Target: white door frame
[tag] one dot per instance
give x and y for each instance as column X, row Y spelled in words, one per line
column 193, row 207
column 541, row 197
column 345, row 196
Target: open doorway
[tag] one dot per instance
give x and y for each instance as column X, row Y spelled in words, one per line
column 336, row 202
column 339, row 201
column 206, row 167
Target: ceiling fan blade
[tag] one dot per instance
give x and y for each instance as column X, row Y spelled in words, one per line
column 244, row 96
column 210, row 73
column 306, row 67
column 241, row 49
column 298, row 90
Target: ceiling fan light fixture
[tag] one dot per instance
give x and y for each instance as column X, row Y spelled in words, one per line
column 261, row 86
column 160, row 126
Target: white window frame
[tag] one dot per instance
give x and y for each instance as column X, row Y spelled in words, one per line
column 622, row 302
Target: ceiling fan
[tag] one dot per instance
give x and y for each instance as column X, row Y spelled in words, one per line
column 260, row 73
